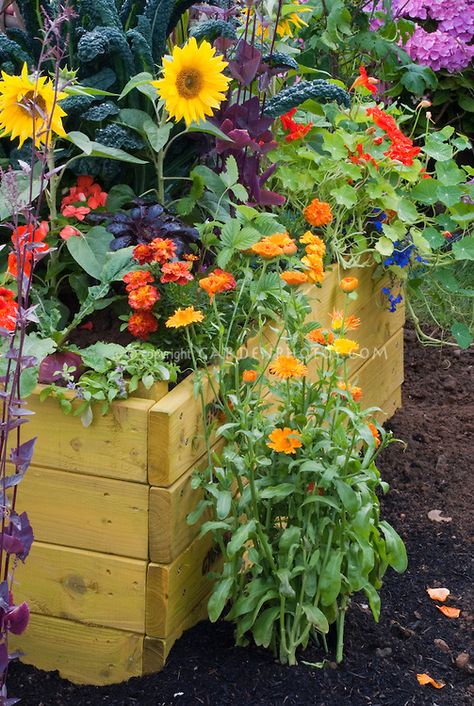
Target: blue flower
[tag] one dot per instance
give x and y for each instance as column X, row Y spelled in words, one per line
column 393, row 301
column 401, row 255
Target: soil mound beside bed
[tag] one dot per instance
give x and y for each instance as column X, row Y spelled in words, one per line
column 433, row 473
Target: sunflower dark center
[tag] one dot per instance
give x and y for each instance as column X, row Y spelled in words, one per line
column 189, row 83
column 33, row 104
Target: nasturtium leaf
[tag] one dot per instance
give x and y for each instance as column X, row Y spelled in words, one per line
column 395, row 230
column 462, row 334
column 449, row 195
column 462, row 213
column 345, row 195
column 426, row 191
column 407, row 211
column 433, row 237
column 449, row 173
column 463, row 249
column 435, row 146
column 384, row 246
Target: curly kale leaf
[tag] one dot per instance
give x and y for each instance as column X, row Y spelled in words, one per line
column 94, row 13
column 98, row 113
column 319, row 90
column 12, row 53
column 114, row 135
column 103, row 42
column 212, row 29
column 141, row 51
column 159, row 13
column 280, row 59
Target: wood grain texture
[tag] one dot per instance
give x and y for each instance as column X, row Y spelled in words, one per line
column 173, row 590
column 87, row 512
column 86, row 587
column 82, row 653
column 114, row 446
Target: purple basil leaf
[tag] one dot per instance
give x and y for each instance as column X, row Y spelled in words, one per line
column 52, row 366
column 11, row 544
column 17, row 619
column 25, row 535
column 21, row 455
column 4, row 596
column 3, row 662
column 246, row 64
column 270, row 198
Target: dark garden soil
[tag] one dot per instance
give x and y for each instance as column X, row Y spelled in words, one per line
column 433, row 473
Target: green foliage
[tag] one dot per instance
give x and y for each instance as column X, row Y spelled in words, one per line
column 212, row 29
column 318, row 90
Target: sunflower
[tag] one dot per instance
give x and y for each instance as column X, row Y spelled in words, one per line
column 29, row 108
column 193, row 83
column 285, row 440
column 184, row 317
column 287, row 366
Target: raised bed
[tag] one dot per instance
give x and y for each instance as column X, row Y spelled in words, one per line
column 116, row 574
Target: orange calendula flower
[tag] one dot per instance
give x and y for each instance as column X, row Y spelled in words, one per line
column 143, row 298
column 266, row 249
column 448, row 611
column 308, row 238
column 339, row 323
column 293, row 277
column 184, row 317
column 424, row 679
column 218, row 281
column 438, row 594
column 323, row 337
column 163, row 250
column 349, row 284
column 283, row 241
column 344, row 346
column 354, row 391
column 287, row 366
column 285, row 440
column 318, row 213
column 178, row 272
column 375, row 434
column 249, row 375
column 137, row 279
column 142, row 323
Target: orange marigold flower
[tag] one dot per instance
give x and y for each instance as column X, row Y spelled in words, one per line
column 293, row 277
column 179, row 272
column 143, row 254
column 137, row 279
column 218, row 281
column 287, row 366
column 143, row 298
column 355, row 392
column 344, row 346
column 142, row 323
column 339, row 323
column 163, row 250
column 184, row 317
column 321, row 336
column 266, row 249
column 249, row 375
column 318, row 213
column 375, row 434
column 349, row 284
column 285, row 440
column 284, row 242
column 189, row 257
column 315, row 249
column 315, row 271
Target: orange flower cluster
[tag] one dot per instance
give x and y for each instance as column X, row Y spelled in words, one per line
column 160, row 250
column 318, row 213
column 401, row 148
column 354, row 391
column 142, row 297
column 274, row 246
column 367, row 81
column 285, row 440
column 178, row 272
column 23, row 238
column 313, row 260
column 287, row 366
column 218, row 281
column 296, row 131
column 84, row 197
column 184, row 317
column 8, row 309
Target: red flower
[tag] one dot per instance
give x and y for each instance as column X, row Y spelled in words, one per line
column 143, row 298
column 21, row 237
column 143, row 254
column 296, row 130
column 163, row 250
column 366, row 81
column 179, row 272
column 142, row 323
column 68, row 232
column 137, row 279
column 79, row 212
column 86, row 190
column 401, row 148
column 8, row 309
column 362, row 156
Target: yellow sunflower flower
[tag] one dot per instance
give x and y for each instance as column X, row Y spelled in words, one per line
column 184, row 317
column 193, row 83
column 29, row 108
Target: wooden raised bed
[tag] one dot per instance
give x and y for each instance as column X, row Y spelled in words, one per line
column 115, row 573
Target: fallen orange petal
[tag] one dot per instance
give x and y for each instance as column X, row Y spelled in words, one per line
column 438, row 594
column 448, row 611
column 426, row 679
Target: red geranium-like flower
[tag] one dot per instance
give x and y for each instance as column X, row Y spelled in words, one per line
column 179, row 272
column 68, row 232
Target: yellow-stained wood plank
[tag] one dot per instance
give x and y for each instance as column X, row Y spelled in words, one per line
column 84, row 654
column 173, row 590
column 87, row 512
column 114, row 446
column 390, row 406
column 176, row 440
column 83, row 586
